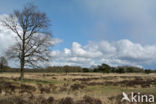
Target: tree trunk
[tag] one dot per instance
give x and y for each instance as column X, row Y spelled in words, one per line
column 1, row 67
column 22, row 70
column 22, row 58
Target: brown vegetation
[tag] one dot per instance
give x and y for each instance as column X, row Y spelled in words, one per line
column 74, row 88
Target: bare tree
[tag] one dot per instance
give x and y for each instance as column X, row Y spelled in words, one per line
column 33, row 39
column 3, row 63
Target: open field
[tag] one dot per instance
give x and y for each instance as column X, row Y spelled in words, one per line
column 72, row 88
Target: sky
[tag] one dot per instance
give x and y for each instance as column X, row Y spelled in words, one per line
column 92, row 32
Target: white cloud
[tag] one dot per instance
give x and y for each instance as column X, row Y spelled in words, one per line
column 7, row 38
column 56, row 41
column 87, row 51
column 5, row 41
column 122, row 52
column 77, row 49
column 67, row 51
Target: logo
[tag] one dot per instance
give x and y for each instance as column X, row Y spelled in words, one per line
column 137, row 97
column 125, row 97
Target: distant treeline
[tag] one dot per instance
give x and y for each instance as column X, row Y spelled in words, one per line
column 103, row 68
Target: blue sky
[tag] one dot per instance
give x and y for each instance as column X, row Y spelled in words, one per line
column 71, row 20
column 67, row 19
column 108, row 24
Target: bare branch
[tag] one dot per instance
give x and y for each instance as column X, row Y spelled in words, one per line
column 31, row 28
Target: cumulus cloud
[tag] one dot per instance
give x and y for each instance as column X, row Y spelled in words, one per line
column 56, row 41
column 122, row 52
column 6, row 40
column 7, row 37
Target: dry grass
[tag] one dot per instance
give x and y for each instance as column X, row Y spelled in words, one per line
column 75, row 87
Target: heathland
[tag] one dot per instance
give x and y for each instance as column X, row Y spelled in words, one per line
column 73, row 88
